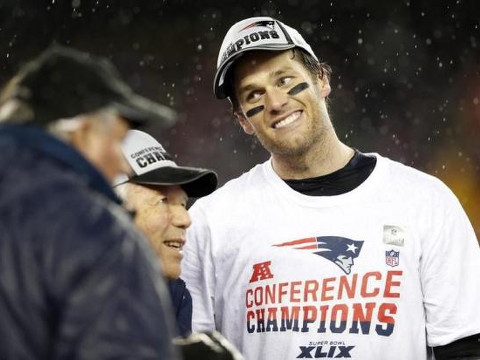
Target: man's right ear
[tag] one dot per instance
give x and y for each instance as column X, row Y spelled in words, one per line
column 244, row 123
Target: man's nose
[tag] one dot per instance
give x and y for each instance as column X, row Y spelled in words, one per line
column 180, row 217
column 276, row 98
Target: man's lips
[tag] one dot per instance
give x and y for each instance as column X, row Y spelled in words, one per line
column 176, row 244
column 287, row 120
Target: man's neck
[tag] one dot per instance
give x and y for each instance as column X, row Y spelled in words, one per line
column 328, row 156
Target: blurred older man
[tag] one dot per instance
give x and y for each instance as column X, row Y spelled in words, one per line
column 77, row 281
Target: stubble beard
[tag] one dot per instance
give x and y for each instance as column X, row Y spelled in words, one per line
column 300, row 144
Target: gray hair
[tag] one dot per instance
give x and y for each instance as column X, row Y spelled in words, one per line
column 122, row 192
column 63, row 128
column 15, row 111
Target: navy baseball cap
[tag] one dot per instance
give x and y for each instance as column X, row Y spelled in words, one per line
column 63, row 82
column 153, row 165
column 256, row 33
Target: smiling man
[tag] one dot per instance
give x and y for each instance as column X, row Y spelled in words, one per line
column 356, row 217
column 157, row 192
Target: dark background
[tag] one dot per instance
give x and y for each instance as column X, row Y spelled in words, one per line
column 406, row 74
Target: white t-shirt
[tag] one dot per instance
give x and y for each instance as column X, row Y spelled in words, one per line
column 379, row 272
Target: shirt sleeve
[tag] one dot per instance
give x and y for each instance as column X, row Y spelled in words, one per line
column 198, row 271
column 450, row 269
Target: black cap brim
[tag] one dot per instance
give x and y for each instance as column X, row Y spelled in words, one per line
column 140, row 111
column 195, row 181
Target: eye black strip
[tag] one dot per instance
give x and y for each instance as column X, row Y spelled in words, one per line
column 255, row 111
column 298, row 88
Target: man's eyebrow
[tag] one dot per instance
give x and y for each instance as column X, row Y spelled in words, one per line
column 246, row 88
column 279, row 72
column 272, row 74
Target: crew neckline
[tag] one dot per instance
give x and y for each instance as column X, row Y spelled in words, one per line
column 356, row 194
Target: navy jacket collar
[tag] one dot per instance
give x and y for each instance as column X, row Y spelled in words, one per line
column 39, row 140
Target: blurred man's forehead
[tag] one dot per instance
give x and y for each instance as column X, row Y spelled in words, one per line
column 153, row 191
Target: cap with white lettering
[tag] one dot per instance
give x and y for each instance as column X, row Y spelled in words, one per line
column 152, row 165
column 256, row 33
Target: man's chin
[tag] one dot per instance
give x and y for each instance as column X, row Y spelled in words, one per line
column 172, row 272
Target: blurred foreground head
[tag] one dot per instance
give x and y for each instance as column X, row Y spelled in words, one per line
column 81, row 99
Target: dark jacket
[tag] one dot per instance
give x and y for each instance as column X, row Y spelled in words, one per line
column 182, row 305
column 77, row 281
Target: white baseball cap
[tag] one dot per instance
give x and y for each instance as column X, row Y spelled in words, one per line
column 152, row 165
column 255, row 33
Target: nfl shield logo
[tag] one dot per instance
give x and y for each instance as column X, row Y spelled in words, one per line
column 392, row 257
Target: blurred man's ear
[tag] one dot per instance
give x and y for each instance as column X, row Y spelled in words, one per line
column 81, row 136
column 244, row 123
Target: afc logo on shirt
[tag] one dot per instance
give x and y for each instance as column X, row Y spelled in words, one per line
column 261, row 271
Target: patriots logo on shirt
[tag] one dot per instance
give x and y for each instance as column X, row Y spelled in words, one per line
column 266, row 23
column 339, row 250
